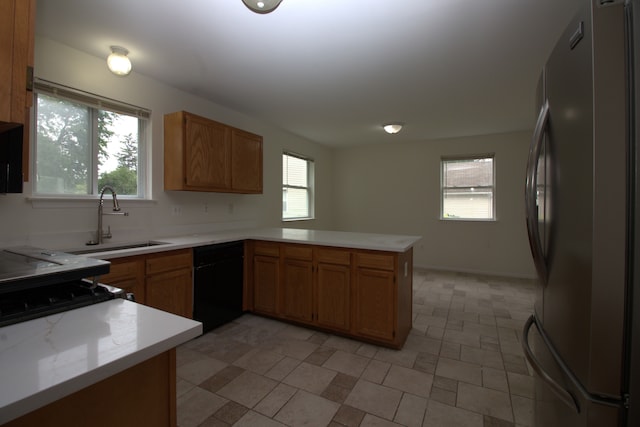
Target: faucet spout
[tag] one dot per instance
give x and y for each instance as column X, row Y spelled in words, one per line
column 100, row 234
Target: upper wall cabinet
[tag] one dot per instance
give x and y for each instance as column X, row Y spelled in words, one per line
column 204, row 155
column 17, row 23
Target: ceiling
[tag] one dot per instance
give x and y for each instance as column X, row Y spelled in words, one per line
column 334, row 71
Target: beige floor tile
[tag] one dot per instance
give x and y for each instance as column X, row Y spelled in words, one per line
column 485, row 401
column 376, row 371
column 422, row 344
column 471, row 339
column 347, row 363
column 306, row 409
column 374, row 399
column 196, row 371
column 309, row 377
column 183, row 386
column 411, row 410
column 495, row 379
column 441, row 415
column 254, row 419
column 521, row 385
column 478, row 356
column 402, row 357
column 259, row 360
column 275, row 400
column 523, row 410
column 247, row 389
column 373, row 421
column 460, row 371
column 282, row 368
column 409, row 380
column 291, row 347
column 341, row 343
column 349, row 416
column 197, row 405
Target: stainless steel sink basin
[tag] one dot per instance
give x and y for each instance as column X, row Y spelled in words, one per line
column 97, row 249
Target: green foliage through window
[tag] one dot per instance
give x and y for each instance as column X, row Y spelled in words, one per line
column 81, row 148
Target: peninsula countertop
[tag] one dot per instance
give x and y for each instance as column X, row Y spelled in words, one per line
column 43, row 360
column 354, row 240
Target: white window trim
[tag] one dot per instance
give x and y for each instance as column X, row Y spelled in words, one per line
column 310, row 188
column 442, row 188
column 97, row 102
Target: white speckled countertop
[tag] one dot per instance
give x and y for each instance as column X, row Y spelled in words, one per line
column 371, row 241
column 45, row 359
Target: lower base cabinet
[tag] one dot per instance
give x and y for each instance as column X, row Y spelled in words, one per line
column 161, row 280
column 146, row 392
column 357, row 293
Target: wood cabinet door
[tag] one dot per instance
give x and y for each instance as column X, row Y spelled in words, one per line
column 172, row 292
column 266, row 271
column 128, row 274
column 207, row 154
column 297, row 290
column 374, row 304
column 246, row 162
column 333, row 292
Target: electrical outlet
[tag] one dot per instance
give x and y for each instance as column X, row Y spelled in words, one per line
column 176, row 210
column 230, row 207
column 206, row 208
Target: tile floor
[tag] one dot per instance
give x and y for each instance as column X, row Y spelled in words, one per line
column 462, row 365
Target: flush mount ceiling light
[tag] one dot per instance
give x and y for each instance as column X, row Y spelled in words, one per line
column 392, row 128
column 262, row 6
column 118, row 61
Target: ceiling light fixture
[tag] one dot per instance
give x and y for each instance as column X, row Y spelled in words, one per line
column 262, row 6
column 392, row 128
column 118, row 61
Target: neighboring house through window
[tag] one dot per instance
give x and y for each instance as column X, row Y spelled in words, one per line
column 297, row 187
column 468, row 187
column 84, row 142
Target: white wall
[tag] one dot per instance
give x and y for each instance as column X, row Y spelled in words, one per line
column 395, row 188
column 67, row 224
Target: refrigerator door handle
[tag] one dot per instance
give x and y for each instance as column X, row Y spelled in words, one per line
column 562, row 393
column 530, row 191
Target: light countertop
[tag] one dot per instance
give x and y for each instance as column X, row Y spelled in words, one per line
column 369, row 241
column 46, row 359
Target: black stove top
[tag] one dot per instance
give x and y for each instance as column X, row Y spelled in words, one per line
column 29, row 267
column 36, row 282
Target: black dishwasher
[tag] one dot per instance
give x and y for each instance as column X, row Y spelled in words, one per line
column 217, row 293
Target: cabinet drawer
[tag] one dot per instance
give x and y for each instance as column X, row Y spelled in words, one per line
column 167, row 261
column 380, row 261
column 298, row 252
column 333, row 256
column 266, row 248
column 124, row 269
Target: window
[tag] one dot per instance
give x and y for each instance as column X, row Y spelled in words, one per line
column 297, row 187
column 468, row 188
column 84, row 142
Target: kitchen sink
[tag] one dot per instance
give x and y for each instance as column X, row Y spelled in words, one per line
column 97, row 249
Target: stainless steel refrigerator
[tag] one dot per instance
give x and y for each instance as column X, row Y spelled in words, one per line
column 582, row 203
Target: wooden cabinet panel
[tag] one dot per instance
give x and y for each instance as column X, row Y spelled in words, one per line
column 266, row 277
column 167, row 261
column 381, row 261
column 208, row 154
column 246, row 162
column 204, row 155
column 333, row 292
column 354, row 292
column 375, row 303
column 17, row 24
column 148, row 389
column 297, row 289
column 171, row 292
column 128, row 274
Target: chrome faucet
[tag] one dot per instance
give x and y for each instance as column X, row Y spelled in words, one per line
column 100, row 234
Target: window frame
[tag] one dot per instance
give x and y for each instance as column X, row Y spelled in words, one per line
column 492, row 187
column 310, row 187
column 94, row 103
